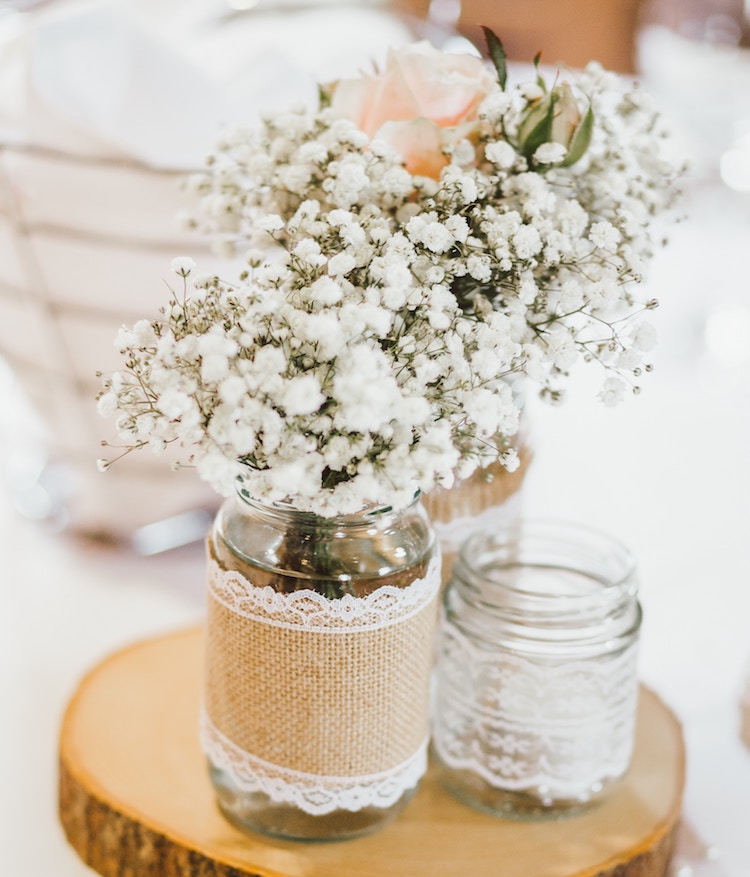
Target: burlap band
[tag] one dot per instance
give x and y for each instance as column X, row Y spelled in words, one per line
column 309, row 687
column 489, row 495
column 486, row 488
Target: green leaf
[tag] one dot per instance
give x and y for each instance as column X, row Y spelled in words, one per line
column 537, row 126
column 324, row 96
column 580, row 140
column 539, row 78
column 497, row 56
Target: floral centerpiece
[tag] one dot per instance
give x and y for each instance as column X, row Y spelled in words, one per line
column 412, row 244
column 424, row 234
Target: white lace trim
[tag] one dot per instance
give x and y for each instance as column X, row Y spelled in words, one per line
column 452, row 534
column 314, row 794
column 314, row 612
column 559, row 730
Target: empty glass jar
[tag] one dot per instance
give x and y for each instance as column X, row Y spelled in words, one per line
column 537, row 685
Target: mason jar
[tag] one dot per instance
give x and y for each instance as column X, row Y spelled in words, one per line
column 537, row 685
column 320, row 646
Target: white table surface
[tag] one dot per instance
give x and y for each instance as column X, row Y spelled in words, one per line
column 668, row 472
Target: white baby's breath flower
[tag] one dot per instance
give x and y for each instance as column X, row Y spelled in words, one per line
column 174, row 403
column 458, row 227
column 478, row 266
column 495, row 105
column 341, row 264
column 182, row 266
column 214, row 368
column 571, row 296
column 527, row 242
column 644, row 337
column 561, row 347
column 628, row 360
column 531, row 91
column 219, row 471
column 396, row 182
column 429, row 231
column 302, row 395
column 604, row 235
column 463, row 153
column 309, row 251
column 527, row 288
column 107, row 404
column 382, row 305
column 233, row 389
column 501, row 153
column 550, row 153
column 203, row 281
column 312, row 151
column 326, row 291
column 295, row 178
column 216, row 341
column 612, row 392
column 144, row 334
column 510, row 459
column 271, row 222
column 269, row 361
column 125, row 338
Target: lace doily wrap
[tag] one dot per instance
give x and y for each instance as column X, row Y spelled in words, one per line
column 526, row 725
column 453, row 533
column 323, row 704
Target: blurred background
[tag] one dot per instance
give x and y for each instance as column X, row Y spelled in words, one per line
column 104, row 107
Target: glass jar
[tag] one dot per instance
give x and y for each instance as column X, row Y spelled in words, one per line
column 537, row 681
column 320, row 647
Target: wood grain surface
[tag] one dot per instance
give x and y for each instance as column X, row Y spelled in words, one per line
column 135, row 799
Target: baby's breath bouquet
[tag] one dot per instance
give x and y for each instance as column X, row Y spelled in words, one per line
column 421, row 237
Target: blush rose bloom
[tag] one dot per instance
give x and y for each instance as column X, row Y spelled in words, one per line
column 423, row 101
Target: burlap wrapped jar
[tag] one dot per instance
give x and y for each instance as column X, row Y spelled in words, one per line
column 320, row 647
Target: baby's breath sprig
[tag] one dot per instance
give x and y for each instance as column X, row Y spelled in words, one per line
column 404, row 264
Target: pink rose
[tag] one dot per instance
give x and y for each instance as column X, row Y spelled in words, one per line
column 422, row 101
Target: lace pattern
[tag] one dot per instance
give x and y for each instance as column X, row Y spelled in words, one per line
column 307, row 716
column 314, row 794
column 452, row 534
column 559, row 730
column 314, row 612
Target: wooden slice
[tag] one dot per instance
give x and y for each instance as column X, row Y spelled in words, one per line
column 135, row 798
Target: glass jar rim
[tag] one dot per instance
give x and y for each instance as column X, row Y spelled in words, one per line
column 590, row 570
column 557, row 532
column 368, row 514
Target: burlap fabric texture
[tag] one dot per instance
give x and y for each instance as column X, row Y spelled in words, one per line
column 316, row 702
